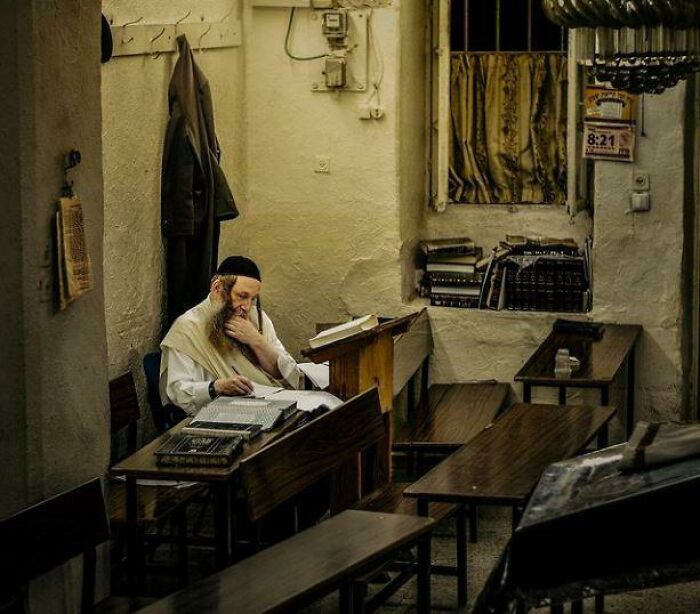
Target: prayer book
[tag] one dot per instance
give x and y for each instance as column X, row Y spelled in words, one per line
column 223, row 429
column 240, row 412
column 196, row 450
column 343, row 331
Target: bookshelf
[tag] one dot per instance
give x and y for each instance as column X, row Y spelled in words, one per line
column 519, row 274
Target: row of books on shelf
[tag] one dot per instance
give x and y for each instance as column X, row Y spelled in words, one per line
column 521, row 273
column 451, row 278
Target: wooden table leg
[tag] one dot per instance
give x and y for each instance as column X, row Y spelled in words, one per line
column 222, row 524
column 134, row 553
column 562, row 395
column 527, row 393
column 423, row 589
column 346, row 598
column 603, row 437
column 423, row 585
column 630, row 393
column 461, row 519
column 424, row 377
column 473, row 522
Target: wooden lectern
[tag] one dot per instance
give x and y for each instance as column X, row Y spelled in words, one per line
column 357, row 363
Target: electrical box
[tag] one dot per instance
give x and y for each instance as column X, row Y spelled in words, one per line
column 335, row 72
column 335, row 27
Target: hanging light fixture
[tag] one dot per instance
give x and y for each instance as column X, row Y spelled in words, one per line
column 641, row 46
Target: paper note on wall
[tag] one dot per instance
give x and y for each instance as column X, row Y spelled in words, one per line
column 74, row 266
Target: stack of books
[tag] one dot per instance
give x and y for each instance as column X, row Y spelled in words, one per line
column 537, row 274
column 450, row 277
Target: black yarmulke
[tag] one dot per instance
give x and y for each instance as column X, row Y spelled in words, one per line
column 239, row 265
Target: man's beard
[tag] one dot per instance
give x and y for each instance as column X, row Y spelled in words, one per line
column 217, row 328
column 217, row 332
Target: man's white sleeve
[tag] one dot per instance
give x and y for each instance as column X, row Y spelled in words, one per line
column 285, row 362
column 186, row 382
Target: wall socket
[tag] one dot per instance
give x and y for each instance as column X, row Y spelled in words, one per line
column 368, row 111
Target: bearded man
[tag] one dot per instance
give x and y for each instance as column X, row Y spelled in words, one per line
column 225, row 344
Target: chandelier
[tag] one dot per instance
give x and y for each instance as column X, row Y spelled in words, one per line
column 640, row 46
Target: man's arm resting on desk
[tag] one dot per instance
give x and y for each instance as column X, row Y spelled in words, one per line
column 187, row 383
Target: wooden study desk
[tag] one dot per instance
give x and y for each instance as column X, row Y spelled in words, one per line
column 142, row 464
column 601, row 360
column 503, row 463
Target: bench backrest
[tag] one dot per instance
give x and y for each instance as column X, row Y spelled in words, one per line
column 286, row 467
column 49, row 533
column 124, row 408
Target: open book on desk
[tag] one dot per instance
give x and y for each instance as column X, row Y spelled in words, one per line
column 305, row 400
column 246, row 417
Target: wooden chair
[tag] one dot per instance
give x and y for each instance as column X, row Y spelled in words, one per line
column 43, row 536
column 156, row 503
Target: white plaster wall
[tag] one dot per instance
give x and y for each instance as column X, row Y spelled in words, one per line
column 637, row 257
column 135, row 109
column 413, row 131
column 328, row 244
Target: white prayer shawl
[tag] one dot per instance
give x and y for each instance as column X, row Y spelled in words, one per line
column 189, row 335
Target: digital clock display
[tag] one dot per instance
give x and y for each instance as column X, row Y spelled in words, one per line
column 608, row 141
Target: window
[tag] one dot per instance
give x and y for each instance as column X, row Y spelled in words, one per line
column 499, row 104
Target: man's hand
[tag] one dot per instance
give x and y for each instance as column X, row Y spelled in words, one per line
column 242, row 330
column 233, row 386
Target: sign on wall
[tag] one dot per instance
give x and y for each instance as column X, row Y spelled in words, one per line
column 609, row 127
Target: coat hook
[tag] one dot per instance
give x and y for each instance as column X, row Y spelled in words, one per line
column 156, row 55
column 202, row 35
column 179, row 21
column 124, row 25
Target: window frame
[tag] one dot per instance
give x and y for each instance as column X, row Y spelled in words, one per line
column 440, row 118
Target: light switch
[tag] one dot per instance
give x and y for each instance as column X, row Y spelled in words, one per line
column 323, row 164
column 641, row 201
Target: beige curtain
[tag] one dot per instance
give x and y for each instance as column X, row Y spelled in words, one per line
column 508, row 128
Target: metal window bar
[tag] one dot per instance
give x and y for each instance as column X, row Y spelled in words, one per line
column 497, row 28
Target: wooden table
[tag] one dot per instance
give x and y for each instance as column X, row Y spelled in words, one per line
column 502, row 464
column 601, row 360
column 142, row 464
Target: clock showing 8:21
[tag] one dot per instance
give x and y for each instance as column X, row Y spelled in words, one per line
column 607, row 141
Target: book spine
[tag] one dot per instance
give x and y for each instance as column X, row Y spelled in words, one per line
column 202, row 431
column 213, row 460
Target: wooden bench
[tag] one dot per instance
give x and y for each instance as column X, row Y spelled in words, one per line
column 50, row 533
column 299, row 570
column 443, row 417
column 325, row 557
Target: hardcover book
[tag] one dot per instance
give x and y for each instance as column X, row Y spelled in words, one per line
column 197, row 450
column 342, row 331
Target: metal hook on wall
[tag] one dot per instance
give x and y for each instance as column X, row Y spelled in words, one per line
column 179, row 21
column 156, row 55
column 225, row 17
column 201, row 36
column 124, row 26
